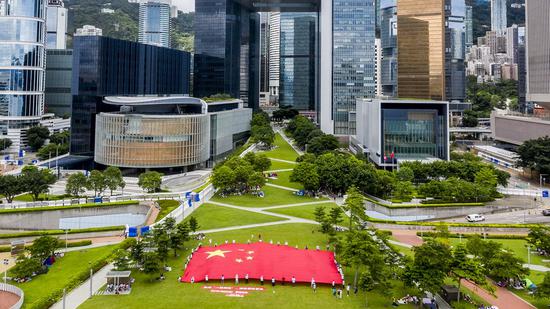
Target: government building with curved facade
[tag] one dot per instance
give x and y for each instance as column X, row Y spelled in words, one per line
column 169, row 132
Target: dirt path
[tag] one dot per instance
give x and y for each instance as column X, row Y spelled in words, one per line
column 504, row 300
column 407, row 237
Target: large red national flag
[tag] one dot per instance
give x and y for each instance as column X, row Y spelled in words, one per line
column 262, row 259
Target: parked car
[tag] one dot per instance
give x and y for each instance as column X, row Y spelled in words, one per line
column 475, row 218
column 546, row 212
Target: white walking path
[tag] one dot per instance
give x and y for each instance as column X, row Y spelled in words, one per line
column 281, row 187
column 281, row 160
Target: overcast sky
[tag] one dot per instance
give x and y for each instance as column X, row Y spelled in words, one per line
column 185, row 5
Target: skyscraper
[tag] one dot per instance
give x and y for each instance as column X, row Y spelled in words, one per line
column 22, row 54
column 469, row 23
column 56, row 25
column 498, row 15
column 353, row 34
column 421, row 49
column 388, row 41
column 538, row 52
column 274, row 55
column 455, row 50
column 298, row 60
column 154, row 22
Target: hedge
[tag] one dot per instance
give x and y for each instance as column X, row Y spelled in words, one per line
column 487, row 236
column 74, row 206
column 61, row 245
column 60, row 232
column 423, row 205
column 452, row 224
column 78, row 279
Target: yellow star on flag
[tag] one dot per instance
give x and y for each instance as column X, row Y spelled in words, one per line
column 250, row 252
column 249, row 258
column 216, row 253
column 238, row 260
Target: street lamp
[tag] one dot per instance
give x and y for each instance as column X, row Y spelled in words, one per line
column 6, row 263
column 91, row 274
column 541, row 179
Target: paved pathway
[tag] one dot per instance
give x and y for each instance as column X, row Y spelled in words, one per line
column 294, row 205
column 281, row 160
column 504, row 299
column 281, row 187
column 80, row 294
column 281, row 170
column 537, row 267
column 407, row 237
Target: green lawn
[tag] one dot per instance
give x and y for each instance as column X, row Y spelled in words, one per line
column 278, row 165
column 171, row 294
column 518, row 247
column 199, row 189
column 306, row 212
column 273, row 197
column 61, row 273
column 42, row 197
column 537, row 277
column 212, row 217
column 282, row 150
column 166, row 207
column 283, row 179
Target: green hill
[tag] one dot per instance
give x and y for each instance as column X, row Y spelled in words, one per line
column 123, row 23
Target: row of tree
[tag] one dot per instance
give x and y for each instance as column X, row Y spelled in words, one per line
column 33, row 180
column 241, row 175
column 261, row 130
column 32, row 263
column 98, row 181
column 535, row 155
column 307, row 136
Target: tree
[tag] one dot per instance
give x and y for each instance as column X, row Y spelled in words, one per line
column 60, row 137
column 403, row 190
column 36, row 136
column 26, row 267
column 323, row 143
column 485, row 178
column 151, row 263
column 320, row 214
column 432, row 263
column 10, row 186
column 260, row 119
column 505, row 265
column 162, row 241
column 405, row 173
column 193, row 224
column 120, row 260
column 463, row 267
column 113, row 178
column 136, row 252
column 150, row 181
column 76, row 184
column 178, row 235
column 256, row 180
column 539, row 237
column 335, row 216
column 306, row 174
column 96, row 182
column 535, row 155
column 43, row 247
column 469, row 119
column 360, row 250
column 354, row 204
column 261, row 163
column 5, row 143
column 223, row 178
column 543, row 289
column 51, row 150
column 263, row 135
column 36, row 181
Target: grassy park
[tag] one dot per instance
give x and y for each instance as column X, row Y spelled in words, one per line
column 273, row 197
column 305, row 212
column 278, row 165
column 61, row 273
column 213, row 217
column 283, row 179
column 282, row 150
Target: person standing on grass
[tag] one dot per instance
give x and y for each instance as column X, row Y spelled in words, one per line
column 206, row 278
column 223, row 279
column 246, row 278
column 314, row 286
column 236, row 279
column 262, row 279
column 273, row 281
column 347, row 289
column 293, row 280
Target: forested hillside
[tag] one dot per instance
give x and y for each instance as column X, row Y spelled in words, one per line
column 123, row 23
column 482, row 16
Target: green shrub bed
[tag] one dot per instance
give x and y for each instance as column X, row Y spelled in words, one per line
column 81, row 243
column 423, row 205
column 60, row 232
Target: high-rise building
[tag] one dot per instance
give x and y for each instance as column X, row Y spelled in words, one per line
column 455, row 50
column 22, row 55
column 298, row 60
column 469, row 24
column 154, row 22
column 264, row 52
column 421, row 49
column 431, row 49
column 378, row 66
column 59, row 67
column 227, row 53
column 499, row 20
column 274, row 55
column 353, row 34
column 538, row 52
column 56, row 25
column 388, row 42
column 105, row 66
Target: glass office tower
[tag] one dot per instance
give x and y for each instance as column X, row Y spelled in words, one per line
column 154, row 22
column 353, row 34
column 388, row 39
column 22, row 55
column 298, row 59
column 455, row 50
column 227, row 51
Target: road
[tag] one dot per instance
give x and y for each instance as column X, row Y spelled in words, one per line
column 520, row 216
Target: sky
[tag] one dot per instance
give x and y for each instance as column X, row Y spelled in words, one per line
column 185, row 5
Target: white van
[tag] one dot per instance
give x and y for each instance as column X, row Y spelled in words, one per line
column 475, row 218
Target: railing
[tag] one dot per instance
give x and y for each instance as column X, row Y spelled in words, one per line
column 14, row 290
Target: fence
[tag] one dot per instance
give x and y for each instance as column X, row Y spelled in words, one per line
column 14, row 290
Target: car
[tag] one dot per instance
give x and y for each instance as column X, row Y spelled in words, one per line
column 475, row 218
column 546, row 212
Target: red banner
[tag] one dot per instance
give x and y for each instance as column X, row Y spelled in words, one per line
column 262, row 259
